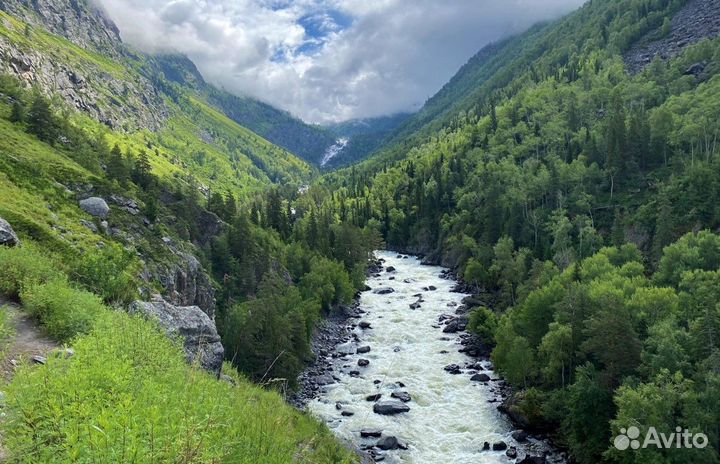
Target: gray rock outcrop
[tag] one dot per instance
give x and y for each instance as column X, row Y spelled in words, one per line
column 95, row 206
column 201, row 341
column 8, row 237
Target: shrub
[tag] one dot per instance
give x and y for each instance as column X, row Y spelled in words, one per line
column 63, row 310
column 108, row 273
column 22, row 267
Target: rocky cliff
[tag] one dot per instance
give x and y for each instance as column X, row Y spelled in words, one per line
column 80, row 71
column 697, row 20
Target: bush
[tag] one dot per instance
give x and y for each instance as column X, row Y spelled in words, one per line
column 108, row 273
column 128, row 396
column 63, row 310
column 22, row 267
column 483, row 322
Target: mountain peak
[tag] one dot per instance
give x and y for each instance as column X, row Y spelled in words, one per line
column 82, row 22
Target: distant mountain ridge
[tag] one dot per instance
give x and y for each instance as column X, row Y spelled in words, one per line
column 88, row 28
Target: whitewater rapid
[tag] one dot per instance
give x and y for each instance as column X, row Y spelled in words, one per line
column 450, row 417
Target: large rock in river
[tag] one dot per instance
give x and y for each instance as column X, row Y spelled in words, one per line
column 95, row 206
column 200, row 338
column 8, row 237
column 390, row 407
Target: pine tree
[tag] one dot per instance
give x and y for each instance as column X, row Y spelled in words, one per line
column 41, row 121
column 142, row 170
column 18, row 112
column 116, row 167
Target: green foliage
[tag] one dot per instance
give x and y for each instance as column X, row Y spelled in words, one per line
column 483, row 322
column 64, row 311
column 127, row 394
column 24, row 267
column 109, row 273
column 269, row 336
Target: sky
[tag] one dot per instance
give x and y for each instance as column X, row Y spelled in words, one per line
column 328, row 60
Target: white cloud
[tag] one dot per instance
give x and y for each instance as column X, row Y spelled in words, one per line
column 328, row 60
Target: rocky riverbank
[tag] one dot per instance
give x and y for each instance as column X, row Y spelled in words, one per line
column 345, row 328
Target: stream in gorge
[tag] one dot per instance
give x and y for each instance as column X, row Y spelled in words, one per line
column 409, row 363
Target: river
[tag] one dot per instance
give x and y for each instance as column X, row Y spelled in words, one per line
column 450, row 416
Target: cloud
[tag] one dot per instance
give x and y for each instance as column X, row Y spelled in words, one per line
column 328, row 60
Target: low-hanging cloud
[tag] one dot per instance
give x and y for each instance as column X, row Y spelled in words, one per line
column 328, row 60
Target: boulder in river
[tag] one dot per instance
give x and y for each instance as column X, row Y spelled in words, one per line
column 529, row 459
column 370, row 433
column 363, row 362
column 390, row 407
column 95, row 206
column 364, row 325
column 480, row 378
column 452, row 369
column 363, row 349
column 499, row 446
column 520, row 436
column 387, row 443
column 8, row 237
column 383, row 290
column 390, row 269
column 373, row 397
column 401, row 395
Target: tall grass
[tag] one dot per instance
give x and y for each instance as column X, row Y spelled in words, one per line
column 127, row 395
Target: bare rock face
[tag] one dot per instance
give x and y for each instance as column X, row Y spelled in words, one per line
column 86, row 85
column 697, row 20
column 200, row 338
column 187, row 284
column 8, row 237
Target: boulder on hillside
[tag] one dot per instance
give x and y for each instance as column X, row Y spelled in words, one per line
column 200, row 337
column 95, row 206
column 8, row 237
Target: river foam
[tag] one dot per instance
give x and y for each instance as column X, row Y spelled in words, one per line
column 450, row 417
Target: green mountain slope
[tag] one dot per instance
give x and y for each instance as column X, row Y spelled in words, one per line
column 123, row 185
column 308, row 142
column 579, row 202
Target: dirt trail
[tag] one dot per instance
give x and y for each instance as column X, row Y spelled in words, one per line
column 28, row 340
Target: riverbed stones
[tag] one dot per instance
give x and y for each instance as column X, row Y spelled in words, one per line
column 364, row 325
column 390, row 269
column 384, row 290
column 370, row 433
column 511, row 452
column 387, row 443
column 363, row 362
column 363, row 349
column 390, row 407
column 480, row 378
column 401, row 395
column 453, row 369
column 499, row 446
column 373, row 397
column 520, row 436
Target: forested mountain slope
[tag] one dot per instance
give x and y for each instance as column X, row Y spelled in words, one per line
column 579, row 201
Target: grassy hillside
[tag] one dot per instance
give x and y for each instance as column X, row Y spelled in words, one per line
column 127, row 394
